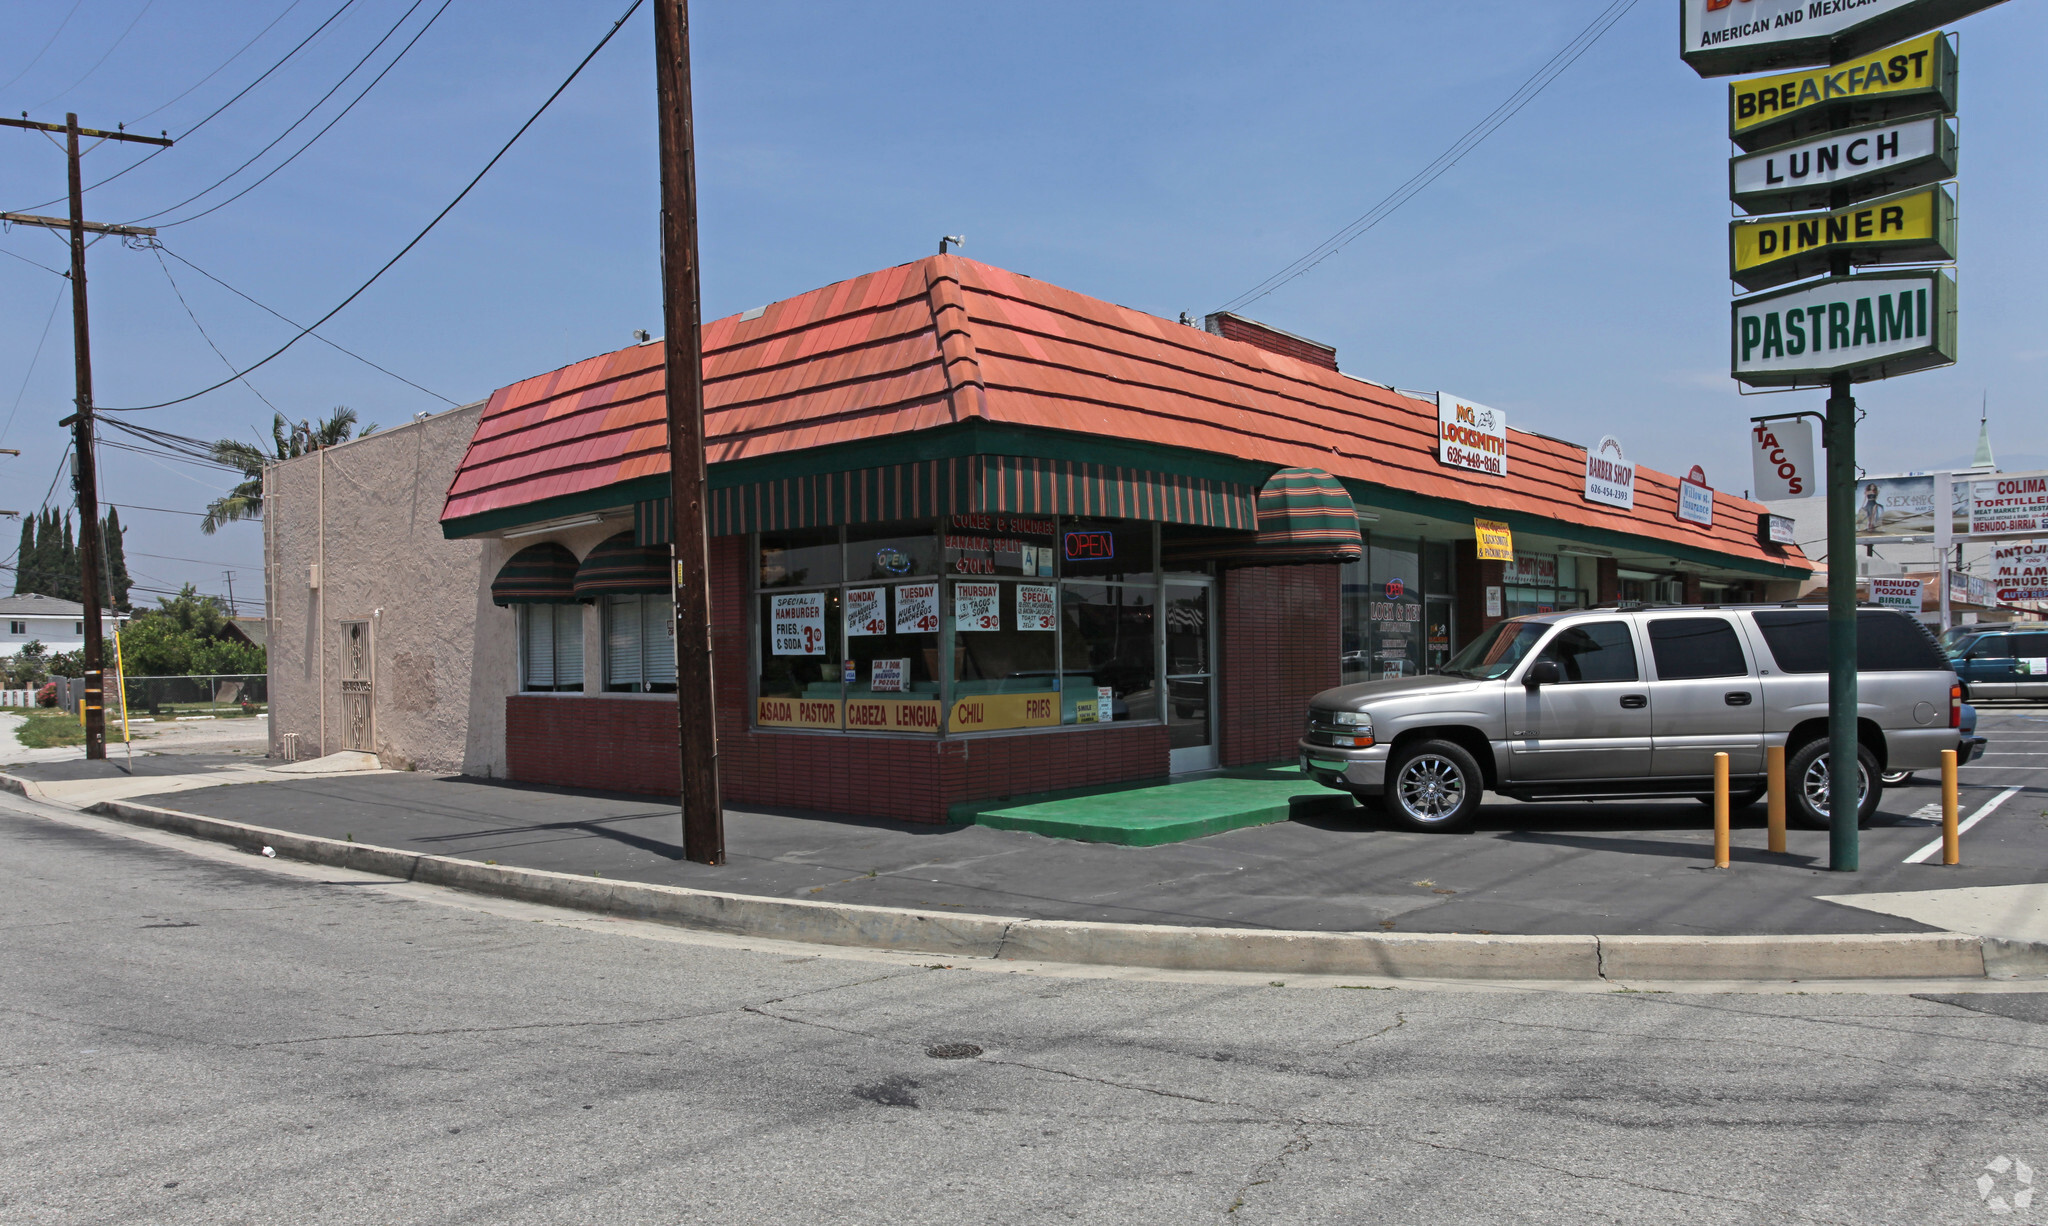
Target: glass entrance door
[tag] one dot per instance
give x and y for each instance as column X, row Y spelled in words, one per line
column 1436, row 633
column 1190, row 673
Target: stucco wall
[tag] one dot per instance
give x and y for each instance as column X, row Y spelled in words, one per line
column 367, row 514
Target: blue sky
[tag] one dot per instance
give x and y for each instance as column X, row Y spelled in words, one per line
column 1165, row 156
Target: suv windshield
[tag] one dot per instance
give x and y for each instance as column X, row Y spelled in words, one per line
column 1497, row 650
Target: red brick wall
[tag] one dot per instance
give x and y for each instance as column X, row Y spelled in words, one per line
column 629, row 744
column 1274, row 340
column 1281, row 644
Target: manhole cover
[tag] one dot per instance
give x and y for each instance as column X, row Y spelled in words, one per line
column 952, row 1051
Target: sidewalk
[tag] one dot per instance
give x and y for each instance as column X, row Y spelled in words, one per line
column 1621, row 869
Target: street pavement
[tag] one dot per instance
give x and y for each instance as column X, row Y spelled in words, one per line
column 196, row 1035
column 1615, row 868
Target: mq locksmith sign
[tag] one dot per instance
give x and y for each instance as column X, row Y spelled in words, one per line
column 1721, row 38
column 1917, row 77
column 1872, row 326
column 1912, row 227
column 1874, row 160
column 1470, row 435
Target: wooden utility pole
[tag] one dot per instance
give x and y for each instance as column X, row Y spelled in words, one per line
column 80, row 421
column 683, row 356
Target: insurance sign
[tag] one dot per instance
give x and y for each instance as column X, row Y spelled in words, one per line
column 1914, row 227
column 1873, row 160
column 1722, row 38
column 1872, row 326
column 1917, row 77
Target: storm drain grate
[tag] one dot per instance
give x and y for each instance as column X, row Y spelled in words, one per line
column 952, row 1051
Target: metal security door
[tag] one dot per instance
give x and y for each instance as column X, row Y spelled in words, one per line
column 358, row 685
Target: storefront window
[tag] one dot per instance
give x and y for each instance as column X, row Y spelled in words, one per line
column 1543, row 583
column 808, row 558
column 1005, row 643
column 1395, row 608
column 551, row 647
column 639, row 645
column 1112, row 550
column 885, row 552
column 1110, row 643
column 800, row 639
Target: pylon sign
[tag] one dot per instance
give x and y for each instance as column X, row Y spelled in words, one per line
column 1874, row 160
column 1915, row 227
column 1722, row 38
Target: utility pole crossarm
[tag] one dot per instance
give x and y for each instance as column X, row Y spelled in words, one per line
column 64, row 223
column 96, row 133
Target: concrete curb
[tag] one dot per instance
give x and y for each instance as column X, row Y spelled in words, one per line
column 20, row 786
column 1919, row 955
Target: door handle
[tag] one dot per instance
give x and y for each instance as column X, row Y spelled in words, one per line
column 1634, row 701
column 1736, row 698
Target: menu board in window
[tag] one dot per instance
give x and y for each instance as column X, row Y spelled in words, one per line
column 977, row 606
column 917, row 608
column 867, row 611
column 798, row 624
column 980, row 544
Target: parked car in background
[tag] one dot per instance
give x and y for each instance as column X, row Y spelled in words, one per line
column 2002, row 663
column 1627, row 703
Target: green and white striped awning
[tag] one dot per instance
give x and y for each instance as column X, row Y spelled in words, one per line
column 1304, row 515
column 924, row 489
column 538, row 574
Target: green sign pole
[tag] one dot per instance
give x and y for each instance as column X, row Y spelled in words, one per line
column 1844, row 795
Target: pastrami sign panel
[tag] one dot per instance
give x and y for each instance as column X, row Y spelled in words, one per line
column 1470, row 435
column 1720, row 38
column 1871, row 326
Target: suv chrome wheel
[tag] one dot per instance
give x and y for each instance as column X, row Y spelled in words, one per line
column 1815, row 783
column 1431, row 788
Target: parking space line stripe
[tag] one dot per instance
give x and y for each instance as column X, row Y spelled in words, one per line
column 1968, row 822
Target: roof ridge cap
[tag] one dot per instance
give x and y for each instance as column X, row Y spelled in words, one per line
column 959, row 359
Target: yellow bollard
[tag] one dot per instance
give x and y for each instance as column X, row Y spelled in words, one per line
column 1774, row 778
column 1720, row 810
column 1951, row 837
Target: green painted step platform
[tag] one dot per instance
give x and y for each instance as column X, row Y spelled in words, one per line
column 1145, row 815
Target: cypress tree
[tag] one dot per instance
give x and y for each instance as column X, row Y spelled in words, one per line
column 25, row 556
column 67, row 579
column 114, row 568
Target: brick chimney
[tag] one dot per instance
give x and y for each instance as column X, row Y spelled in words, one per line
column 1252, row 332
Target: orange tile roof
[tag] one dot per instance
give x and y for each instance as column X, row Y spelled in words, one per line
column 945, row 339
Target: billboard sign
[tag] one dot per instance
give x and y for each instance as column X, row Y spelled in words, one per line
column 1610, row 478
column 2019, row 571
column 1897, row 593
column 1781, row 460
column 1874, row 160
column 1892, row 507
column 1470, row 435
column 1913, row 227
column 1721, row 38
column 2009, row 502
column 1917, row 77
column 1696, row 498
column 1872, row 326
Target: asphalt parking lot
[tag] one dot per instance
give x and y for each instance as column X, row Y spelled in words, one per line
column 1610, row 867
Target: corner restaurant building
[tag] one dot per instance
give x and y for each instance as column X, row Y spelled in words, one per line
column 973, row 535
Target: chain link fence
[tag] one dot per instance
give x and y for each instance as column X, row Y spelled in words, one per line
column 223, row 696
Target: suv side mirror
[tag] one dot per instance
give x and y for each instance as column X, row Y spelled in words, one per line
column 1543, row 672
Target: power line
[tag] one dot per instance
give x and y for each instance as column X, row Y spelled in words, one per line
column 125, row 32
column 202, row 330
column 224, row 63
column 330, row 123
column 38, row 263
column 294, row 323
column 1524, row 94
column 265, row 75
column 33, row 359
column 467, row 188
column 52, row 41
column 303, row 117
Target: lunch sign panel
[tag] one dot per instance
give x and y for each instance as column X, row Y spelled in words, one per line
column 1874, row 160
column 1725, row 38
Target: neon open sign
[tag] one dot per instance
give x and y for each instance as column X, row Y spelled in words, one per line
column 1095, row 546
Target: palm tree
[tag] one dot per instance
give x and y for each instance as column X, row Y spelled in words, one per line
column 288, row 442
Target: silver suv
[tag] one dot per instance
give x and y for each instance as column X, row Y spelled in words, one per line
column 1620, row 703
